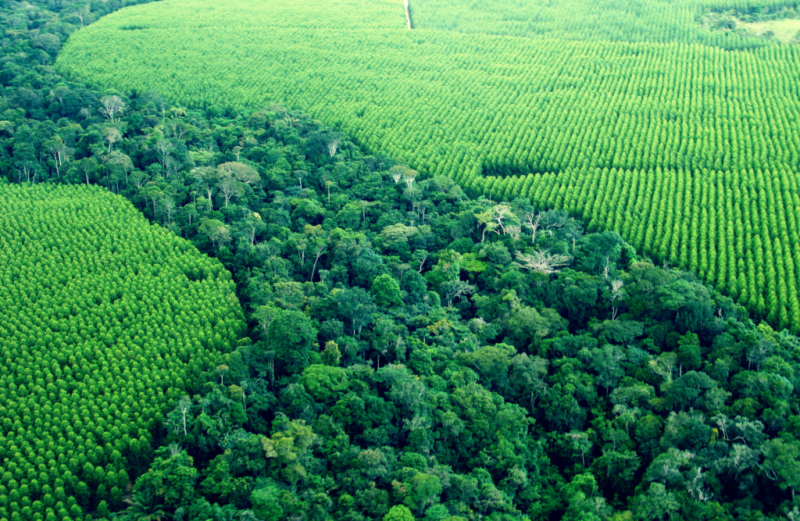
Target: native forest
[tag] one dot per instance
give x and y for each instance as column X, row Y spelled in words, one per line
column 399, row 260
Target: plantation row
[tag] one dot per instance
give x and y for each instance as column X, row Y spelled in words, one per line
column 613, row 20
column 447, row 102
column 104, row 321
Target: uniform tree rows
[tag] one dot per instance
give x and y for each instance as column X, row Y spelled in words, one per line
column 104, row 320
column 537, row 118
column 612, row 20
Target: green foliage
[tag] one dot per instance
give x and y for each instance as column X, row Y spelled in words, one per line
column 105, row 321
column 266, row 503
column 386, row 291
column 399, row 513
column 142, row 506
column 172, row 476
column 324, row 382
column 290, row 338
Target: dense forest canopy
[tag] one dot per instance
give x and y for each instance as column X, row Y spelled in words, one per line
column 417, row 354
column 688, row 150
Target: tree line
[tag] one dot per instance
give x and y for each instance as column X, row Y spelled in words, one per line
column 542, row 119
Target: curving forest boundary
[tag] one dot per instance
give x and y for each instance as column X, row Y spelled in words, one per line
column 689, row 150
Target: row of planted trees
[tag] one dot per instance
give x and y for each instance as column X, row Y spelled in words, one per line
column 101, row 329
column 532, row 104
column 683, row 20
